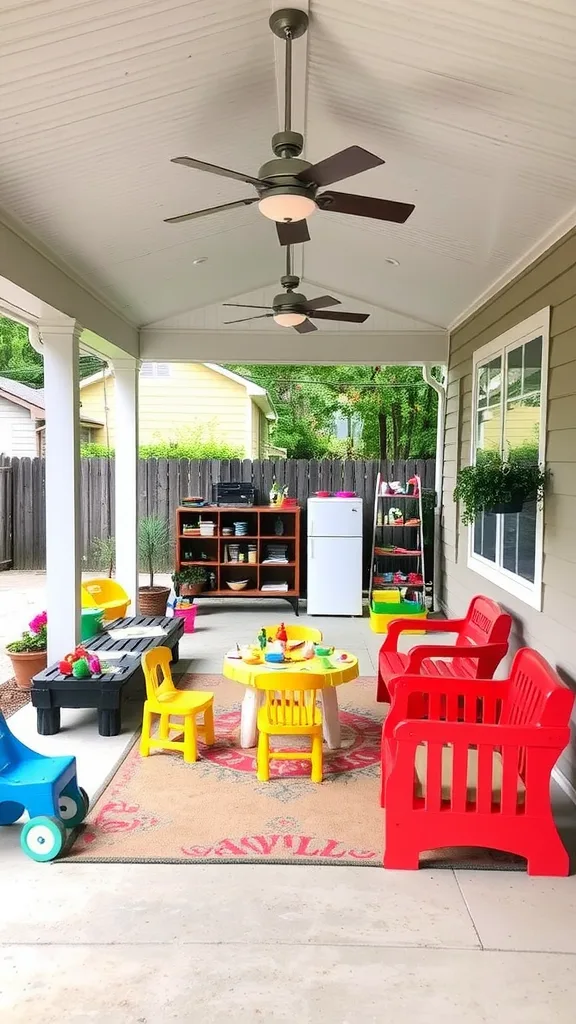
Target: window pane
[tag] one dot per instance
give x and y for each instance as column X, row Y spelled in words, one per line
column 519, row 542
column 522, row 418
column 514, row 374
column 485, row 536
column 532, row 366
column 482, row 387
column 489, row 417
column 495, row 381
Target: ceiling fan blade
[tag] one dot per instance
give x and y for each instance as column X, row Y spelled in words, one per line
column 305, row 327
column 244, row 318
column 211, row 209
column 292, row 232
column 224, row 172
column 321, row 301
column 365, row 206
column 329, row 314
column 243, row 305
column 344, row 164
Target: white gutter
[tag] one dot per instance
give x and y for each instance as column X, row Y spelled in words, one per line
column 440, row 390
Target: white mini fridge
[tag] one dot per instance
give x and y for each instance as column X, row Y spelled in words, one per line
column 334, row 556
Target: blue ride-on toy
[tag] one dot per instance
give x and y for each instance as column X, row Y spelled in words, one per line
column 45, row 787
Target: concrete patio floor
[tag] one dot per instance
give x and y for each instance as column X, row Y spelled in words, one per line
column 150, row 944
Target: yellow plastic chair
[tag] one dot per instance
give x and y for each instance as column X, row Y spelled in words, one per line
column 289, row 710
column 106, row 594
column 163, row 699
column 294, row 632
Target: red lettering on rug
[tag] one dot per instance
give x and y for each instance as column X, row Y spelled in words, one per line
column 264, row 846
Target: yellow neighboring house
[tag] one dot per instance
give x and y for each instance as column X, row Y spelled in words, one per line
column 177, row 398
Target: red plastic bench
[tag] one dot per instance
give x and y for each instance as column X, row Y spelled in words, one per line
column 476, row 771
column 482, row 642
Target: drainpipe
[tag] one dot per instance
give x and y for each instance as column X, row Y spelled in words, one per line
column 440, row 390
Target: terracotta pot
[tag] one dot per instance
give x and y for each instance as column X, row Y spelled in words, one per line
column 153, row 600
column 26, row 666
column 191, row 589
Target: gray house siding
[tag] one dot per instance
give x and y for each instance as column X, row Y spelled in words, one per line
column 549, row 281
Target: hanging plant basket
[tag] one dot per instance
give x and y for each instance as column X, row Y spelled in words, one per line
column 500, row 486
column 507, row 508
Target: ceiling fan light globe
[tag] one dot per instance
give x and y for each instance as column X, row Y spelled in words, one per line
column 289, row 319
column 287, row 208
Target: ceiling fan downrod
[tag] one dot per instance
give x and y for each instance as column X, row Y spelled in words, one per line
column 288, row 24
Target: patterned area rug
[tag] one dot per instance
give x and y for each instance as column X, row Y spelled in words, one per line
column 159, row 809
column 12, row 698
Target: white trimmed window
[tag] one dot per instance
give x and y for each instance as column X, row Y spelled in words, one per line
column 508, row 412
column 155, row 370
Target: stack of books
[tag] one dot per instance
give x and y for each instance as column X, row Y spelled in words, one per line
column 276, row 554
column 280, row 585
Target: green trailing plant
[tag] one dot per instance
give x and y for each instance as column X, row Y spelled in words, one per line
column 192, row 576
column 495, row 481
column 153, row 545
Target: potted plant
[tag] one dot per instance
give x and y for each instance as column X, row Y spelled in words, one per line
column 500, row 485
column 190, row 581
column 154, row 550
column 28, row 654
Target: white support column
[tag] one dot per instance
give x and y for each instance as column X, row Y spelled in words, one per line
column 60, row 341
column 126, row 372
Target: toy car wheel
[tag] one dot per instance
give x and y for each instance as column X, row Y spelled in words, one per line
column 71, row 810
column 43, row 838
column 10, row 812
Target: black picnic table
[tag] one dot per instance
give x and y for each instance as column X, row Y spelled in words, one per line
column 51, row 690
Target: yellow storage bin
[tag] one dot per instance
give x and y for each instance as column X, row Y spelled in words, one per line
column 379, row 622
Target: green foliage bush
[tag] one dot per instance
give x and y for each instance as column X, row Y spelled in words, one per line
column 199, row 442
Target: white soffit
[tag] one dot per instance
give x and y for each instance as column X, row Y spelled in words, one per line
column 470, row 102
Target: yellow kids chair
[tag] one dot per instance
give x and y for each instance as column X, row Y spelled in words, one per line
column 294, row 632
column 289, row 710
column 107, row 595
column 163, row 699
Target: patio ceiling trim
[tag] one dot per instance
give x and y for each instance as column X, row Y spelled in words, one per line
column 23, row 264
column 285, row 346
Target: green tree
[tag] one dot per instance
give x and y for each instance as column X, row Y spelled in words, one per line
column 20, row 361
column 395, row 407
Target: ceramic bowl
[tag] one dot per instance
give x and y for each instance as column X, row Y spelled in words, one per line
column 237, row 584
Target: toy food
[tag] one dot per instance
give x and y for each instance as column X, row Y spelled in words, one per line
column 80, row 669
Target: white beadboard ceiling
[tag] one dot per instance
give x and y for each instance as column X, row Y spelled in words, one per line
column 470, row 102
column 213, row 317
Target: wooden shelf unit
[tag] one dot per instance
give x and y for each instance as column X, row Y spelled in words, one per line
column 261, row 521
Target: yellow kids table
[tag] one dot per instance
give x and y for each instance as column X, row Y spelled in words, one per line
column 332, row 667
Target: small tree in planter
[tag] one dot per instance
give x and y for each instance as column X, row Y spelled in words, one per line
column 190, row 581
column 154, row 550
column 28, row 654
column 500, row 485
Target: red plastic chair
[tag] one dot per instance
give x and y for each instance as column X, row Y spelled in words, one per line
column 482, row 642
column 476, row 771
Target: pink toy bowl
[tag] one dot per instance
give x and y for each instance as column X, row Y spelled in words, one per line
column 323, row 494
column 345, row 494
column 189, row 616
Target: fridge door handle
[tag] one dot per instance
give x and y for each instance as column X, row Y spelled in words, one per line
column 311, row 548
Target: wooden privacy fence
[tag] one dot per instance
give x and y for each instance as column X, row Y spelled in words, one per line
column 164, row 482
